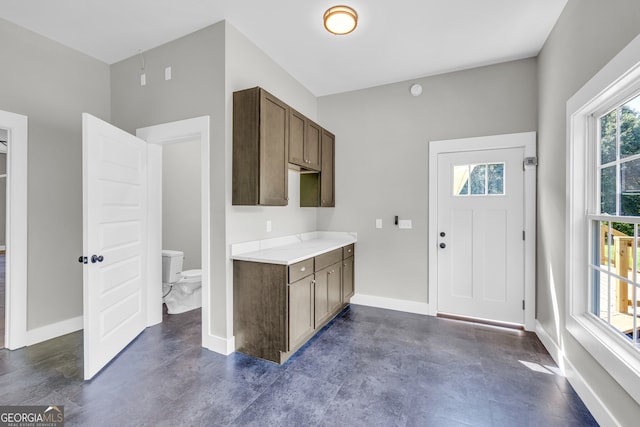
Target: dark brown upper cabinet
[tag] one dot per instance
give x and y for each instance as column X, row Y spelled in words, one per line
column 260, row 149
column 327, row 181
column 304, row 141
column 318, row 189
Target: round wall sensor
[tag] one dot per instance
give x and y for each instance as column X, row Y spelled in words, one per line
column 416, row 90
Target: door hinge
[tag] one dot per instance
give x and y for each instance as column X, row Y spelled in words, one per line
column 523, row 304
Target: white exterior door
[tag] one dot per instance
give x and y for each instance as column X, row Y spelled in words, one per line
column 480, row 234
column 114, row 240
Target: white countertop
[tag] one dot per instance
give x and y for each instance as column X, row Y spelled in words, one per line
column 291, row 249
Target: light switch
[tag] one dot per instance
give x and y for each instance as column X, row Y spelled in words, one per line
column 167, row 73
column 378, row 223
column 143, row 79
column 405, row 224
column 268, row 226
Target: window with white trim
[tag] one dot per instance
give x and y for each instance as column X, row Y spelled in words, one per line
column 603, row 217
column 614, row 218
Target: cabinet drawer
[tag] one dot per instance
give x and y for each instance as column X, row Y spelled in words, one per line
column 347, row 251
column 300, row 270
column 329, row 258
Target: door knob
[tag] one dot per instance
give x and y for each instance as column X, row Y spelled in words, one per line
column 96, row 258
column 442, row 234
column 443, row 245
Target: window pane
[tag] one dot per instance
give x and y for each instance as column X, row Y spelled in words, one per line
column 630, row 188
column 496, row 178
column 630, row 129
column 461, row 180
column 478, row 179
column 608, row 138
column 608, row 190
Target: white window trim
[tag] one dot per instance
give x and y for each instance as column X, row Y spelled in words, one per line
column 619, row 78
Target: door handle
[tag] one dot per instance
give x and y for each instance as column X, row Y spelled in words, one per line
column 443, row 245
column 96, row 258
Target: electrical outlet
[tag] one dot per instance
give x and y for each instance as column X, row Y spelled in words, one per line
column 167, row 73
column 405, row 224
column 268, row 226
column 143, row 79
column 378, row 223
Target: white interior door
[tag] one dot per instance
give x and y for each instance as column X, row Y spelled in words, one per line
column 114, row 240
column 481, row 234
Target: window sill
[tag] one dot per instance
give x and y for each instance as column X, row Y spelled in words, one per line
column 615, row 355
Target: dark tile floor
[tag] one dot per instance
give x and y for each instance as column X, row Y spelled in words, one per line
column 369, row 367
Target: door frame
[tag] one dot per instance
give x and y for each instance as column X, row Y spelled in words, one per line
column 169, row 133
column 16, row 229
column 525, row 140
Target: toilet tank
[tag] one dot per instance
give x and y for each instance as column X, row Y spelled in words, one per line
column 171, row 265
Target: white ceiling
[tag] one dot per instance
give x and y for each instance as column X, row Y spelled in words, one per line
column 395, row 40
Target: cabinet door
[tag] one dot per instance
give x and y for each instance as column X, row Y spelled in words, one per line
column 327, row 190
column 335, row 288
column 274, row 154
column 328, row 293
column 297, row 138
column 321, row 293
column 347, row 280
column 312, row 146
column 301, row 320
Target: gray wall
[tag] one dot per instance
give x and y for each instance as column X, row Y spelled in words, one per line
column 52, row 85
column 196, row 89
column 382, row 139
column 588, row 34
column 181, row 207
column 207, row 66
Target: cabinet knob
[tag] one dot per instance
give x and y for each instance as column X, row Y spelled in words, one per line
column 303, row 268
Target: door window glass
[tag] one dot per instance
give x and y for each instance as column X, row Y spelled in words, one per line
column 479, row 179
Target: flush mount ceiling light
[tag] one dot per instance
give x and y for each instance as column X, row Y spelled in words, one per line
column 340, row 20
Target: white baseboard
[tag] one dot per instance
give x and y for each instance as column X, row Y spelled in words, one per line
column 391, row 303
column 590, row 398
column 218, row 344
column 44, row 333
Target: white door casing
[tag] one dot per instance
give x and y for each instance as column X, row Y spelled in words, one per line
column 481, row 248
column 16, row 261
column 114, row 228
column 462, row 296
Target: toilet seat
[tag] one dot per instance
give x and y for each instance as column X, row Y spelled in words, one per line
column 191, row 276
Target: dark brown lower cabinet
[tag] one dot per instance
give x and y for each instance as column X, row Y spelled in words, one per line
column 277, row 308
column 328, row 292
column 301, row 319
column 347, row 279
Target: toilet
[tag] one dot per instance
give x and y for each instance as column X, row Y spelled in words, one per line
column 181, row 290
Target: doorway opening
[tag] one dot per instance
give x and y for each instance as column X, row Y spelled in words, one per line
column 14, row 133
column 181, row 148
column 4, row 144
column 181, row 227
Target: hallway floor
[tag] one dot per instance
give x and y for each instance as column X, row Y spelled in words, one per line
column 369, row 367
